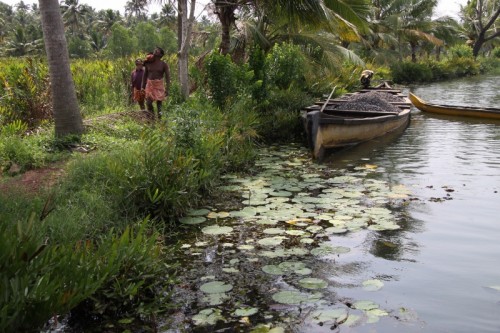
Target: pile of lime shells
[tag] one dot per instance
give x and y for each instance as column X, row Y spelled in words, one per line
column 290, row 213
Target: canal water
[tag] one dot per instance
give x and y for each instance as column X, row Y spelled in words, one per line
column 401, row 234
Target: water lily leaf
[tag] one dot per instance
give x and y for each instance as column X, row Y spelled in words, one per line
column 245, row 247
column 328, row 315
column 271, row 241
column 307, row 240
column 273, row 270
column 281, row 194
column 216, row 230
column 215, row 287
column 215, row 215
column 245, row 312
column 295, row 221
column 290, row 297
column 327, row 249
column 377, row 312
column 230, row 270
column 215, row 299
column 496, row 288
column 207, row 317
column 295, row 232
column 335, row 230
column 192, row 219
column 274, row 231
column 352, row 320
column 313, row 283
column 314, row 229
column 365, row 305
column 372, row 285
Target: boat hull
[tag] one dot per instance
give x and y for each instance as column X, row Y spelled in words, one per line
column 326, row 131
column 451, row 110
column 328, row 125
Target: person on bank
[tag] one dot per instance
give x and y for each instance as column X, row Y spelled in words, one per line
column 155, row 89
column 136, row 84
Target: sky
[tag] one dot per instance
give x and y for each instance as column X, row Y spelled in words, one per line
column 445, row 7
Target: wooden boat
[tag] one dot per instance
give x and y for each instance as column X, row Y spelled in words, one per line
column 455, row 110
column 329, row 125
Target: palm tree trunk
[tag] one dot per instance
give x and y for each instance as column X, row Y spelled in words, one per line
column 67, row 117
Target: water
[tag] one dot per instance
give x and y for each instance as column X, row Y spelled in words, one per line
column 437, row 269
column 450, row 252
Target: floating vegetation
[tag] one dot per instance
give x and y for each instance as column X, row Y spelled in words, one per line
column 215, row 287
column 294, row 297
column 372, row 285
column 207, row 317
column 285, row 224
column 313, row 283
column 216, row 230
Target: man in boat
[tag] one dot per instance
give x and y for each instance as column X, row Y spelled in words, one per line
column 366, row 77
column 155, row 89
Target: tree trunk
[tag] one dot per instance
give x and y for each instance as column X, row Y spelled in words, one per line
column 67, row 117
column 478, row 43
column 225, row 12
column 185, row 28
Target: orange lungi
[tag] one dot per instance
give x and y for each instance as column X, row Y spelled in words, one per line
column 139, row 95
column 155, row 90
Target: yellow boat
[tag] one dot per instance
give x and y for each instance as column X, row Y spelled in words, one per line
column 454, row 110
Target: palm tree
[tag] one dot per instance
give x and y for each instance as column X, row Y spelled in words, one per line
column 73, row 14
column 409, row 21
column 67, row 117
column 106, row 19
column 481, row 17
column 137, row 8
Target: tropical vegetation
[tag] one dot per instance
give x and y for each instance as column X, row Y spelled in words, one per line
column 89, row 245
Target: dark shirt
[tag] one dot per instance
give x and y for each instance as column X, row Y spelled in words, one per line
column 136, row 78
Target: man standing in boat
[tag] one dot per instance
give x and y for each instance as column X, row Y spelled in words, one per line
column 154, row 72
column 366, row 77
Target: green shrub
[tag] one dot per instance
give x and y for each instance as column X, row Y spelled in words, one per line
column 285, row 66
column 114, row 275
column 25, row 91
column 407, row 72
column 495, row 53
column 461, row 51
column 221, row 79
column 461, row 66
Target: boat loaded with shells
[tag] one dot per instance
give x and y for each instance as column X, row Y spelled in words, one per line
column 354, row 118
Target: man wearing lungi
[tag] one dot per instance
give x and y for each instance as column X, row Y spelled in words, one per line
column 136, row 83
column 154, row 72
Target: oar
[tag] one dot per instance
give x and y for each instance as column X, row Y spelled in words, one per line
column 328, row 99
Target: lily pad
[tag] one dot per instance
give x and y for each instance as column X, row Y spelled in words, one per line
column 313, row 283
column 372, row 285
column 291, row 297
column 245, row 312
column 207, row 317
column 271, row 241
column 215, row 215
column 216, row 230
column 365, row 305
column 215, row 287
column 329, row 315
